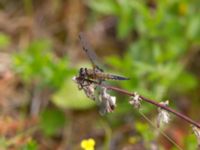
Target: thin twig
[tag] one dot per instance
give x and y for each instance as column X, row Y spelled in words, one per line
column 163, row 133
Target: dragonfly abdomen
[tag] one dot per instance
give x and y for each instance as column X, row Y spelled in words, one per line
column 103, row 76
column 98, row 75
column 116, row 77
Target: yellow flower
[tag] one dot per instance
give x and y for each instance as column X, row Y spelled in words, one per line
column 133, row 139
column 88, row 144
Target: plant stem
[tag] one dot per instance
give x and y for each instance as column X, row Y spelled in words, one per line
column 178, row 114
column 122, row 91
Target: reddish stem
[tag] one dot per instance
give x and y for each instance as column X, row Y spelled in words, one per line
column 178, row 114
column 154, row 103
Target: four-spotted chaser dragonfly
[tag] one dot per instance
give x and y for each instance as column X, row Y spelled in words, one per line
column 87, row 76
column 96, row 73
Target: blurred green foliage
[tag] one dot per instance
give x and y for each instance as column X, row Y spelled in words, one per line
column 145, row 130
column 51, row 121
column 3, row 142
column 165, row 32
column 191, row 142
column 155, row 60
column 70, row 97
column 31, row 145
column 4, row 40
column 7, row 144
column 37, row 63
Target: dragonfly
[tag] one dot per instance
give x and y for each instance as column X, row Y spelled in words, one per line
column 95, row 73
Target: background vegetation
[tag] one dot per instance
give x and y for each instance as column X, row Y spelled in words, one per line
column 155, row 43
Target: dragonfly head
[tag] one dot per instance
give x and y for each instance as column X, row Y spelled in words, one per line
column 82, row 72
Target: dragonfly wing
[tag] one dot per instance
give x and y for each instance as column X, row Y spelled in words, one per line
column 117, row 77
column 89, row 51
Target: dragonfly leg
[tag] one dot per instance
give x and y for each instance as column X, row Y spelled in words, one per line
column 82, row 83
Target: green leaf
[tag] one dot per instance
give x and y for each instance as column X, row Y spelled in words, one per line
column 105, row 6
column 114, row 61
column 145, row 131
column 31, row 145
column 51, row 120
column 126, row 19
column 191, row 142
column 4, row 143
column 4, row 40
column 70, row 97
column 185, row 82
column 193, row 29
column 125, row 26
column 38, row 61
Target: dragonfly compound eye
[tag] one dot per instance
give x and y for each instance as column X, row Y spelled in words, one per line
column 82, row 72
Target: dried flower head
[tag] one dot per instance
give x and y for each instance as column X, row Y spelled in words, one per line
column 135, row 100
column 107, row 102
column 90, row 91
column 86, row 86
column 197, row 133
column 163, row 115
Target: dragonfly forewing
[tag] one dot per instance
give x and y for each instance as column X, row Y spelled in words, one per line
column 89, row 51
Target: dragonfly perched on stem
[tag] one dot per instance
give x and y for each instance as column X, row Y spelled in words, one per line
column 96, row 73
column 87, row 77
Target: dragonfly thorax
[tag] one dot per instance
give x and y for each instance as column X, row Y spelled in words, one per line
column 86, row 73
